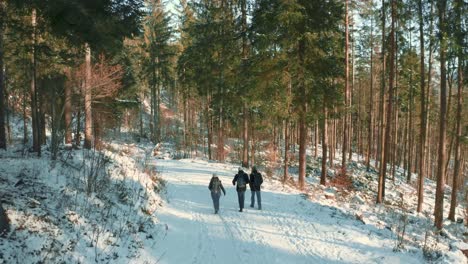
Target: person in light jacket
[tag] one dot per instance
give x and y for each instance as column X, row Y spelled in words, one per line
column 216, row 187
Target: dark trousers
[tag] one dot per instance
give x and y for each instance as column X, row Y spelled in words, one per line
column 215, row 196
column 259, row 199
column 241, row 197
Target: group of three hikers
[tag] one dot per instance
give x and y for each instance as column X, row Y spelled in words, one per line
column 242, row 179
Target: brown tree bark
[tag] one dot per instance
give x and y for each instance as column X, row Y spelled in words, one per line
column 388, row 128
column 245, row 137
column 220, row 148
column 3, row 141
column 254, row 143
column 316, row 135
column 78, row 126
column 428, row 170
column 323, row 174
column 245, row 134
column 209, row 128
column 88, row 142
column 34, row 105
column 25, row 118
column 457, row 168
column 439, row 200
column 286, row 151
column 347, row 94
column 370, row 130
column 68, row 115
column 383, row 123
column 332, row 140
column 302, row 116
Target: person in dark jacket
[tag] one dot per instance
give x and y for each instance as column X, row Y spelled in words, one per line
column 256, row 181
column 242, row 179
column 216, row 187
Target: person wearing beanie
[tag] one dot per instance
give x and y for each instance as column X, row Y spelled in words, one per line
column 216, row 187
column 242, row 179
column 256, row 181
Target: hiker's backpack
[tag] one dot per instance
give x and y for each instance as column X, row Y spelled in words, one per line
column 241, row 184
column 216, row 185
column 257, row 179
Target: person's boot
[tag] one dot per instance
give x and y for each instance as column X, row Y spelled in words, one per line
column 240, row 210
column 252, row 205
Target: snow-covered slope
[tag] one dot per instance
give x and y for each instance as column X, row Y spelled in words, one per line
column 289, row 229
column 54, row 220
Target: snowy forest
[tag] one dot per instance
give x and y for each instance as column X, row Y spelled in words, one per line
column 118, row 118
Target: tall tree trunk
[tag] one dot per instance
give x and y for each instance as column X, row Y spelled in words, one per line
column 221, row 135
column 245, row 134
column 55, row 124
column 383, row 123
column 25, row 118
column 286, row 131
column 388, row 129
column 3, row 141
column 333, row 142
column 450, row 137
column 252, row 147
column 350, row 101
column 34, row 106
column 245, row 137
column 370, row 131
column 209, row 128
column 152, row 122
column 142, row 110
column 158, row 117
column 88, row 142
column 68, row 115
column 286, row 150
column 457, row 171
column 42, row 121
column 7, row 107
column 410, row 128
column 323, row 174
column 316, row 134
column 302, row 116
column 347, row 94
column 78, row 125
column 439, row 201
column 429, row 129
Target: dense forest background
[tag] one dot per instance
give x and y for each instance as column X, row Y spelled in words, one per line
column 381, row 80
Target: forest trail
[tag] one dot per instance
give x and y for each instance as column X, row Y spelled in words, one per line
column 289, row 229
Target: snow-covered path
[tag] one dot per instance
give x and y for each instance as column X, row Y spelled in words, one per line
column 290, row 229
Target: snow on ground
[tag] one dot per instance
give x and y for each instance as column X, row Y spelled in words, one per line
column 125, row 219
column 87, row 207
column 289, row 229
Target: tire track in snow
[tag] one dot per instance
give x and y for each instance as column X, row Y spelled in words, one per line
column 231, row 236
column 298, row 232
column 204, row 241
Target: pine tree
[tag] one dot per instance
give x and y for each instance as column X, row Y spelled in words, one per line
column 439, row 200
column 459, row 33
column 158, row 67
column 423, row 116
